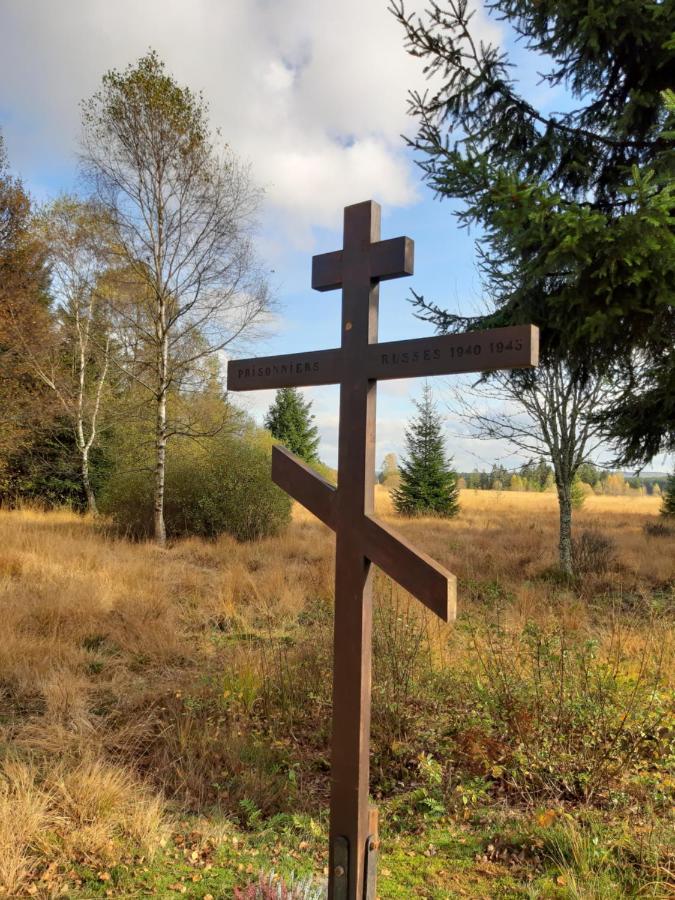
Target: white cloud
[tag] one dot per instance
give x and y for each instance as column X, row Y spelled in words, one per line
column 314, row 94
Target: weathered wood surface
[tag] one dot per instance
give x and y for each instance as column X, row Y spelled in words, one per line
column 361, row 540
column 350, row 764
column 412, row 569
column 305, row 485
column 393, row 258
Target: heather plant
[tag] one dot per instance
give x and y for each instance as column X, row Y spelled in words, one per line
column 402, row 657
column 657, row 529
column 273, row 887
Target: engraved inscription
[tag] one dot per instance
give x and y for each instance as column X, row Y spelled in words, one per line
column 315, row 367
column 501, row 346
column 458, row 351
column 414, row 356
column 294, row 368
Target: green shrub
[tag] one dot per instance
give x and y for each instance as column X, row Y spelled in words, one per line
column 223, row 488
column 552, row 715
column 579, row 493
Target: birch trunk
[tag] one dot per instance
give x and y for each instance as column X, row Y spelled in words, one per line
column 85, row 444
column 88, row 490
column 161, row 429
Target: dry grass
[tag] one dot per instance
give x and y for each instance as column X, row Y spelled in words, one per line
column 55, row 816
column 500, row 533
column 128, row 673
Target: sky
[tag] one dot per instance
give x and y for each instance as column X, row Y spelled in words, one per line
column 313, row 94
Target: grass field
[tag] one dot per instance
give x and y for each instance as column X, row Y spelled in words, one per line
column 164, row 714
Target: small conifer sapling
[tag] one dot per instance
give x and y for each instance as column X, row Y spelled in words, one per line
column 291, row 422
column 428, row 482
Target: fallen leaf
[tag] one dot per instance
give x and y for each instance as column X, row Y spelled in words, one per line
column 545, row 820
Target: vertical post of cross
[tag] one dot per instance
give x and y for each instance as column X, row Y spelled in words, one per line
column 353, row 576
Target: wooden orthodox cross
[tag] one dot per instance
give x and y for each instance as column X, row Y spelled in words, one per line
column 356, row 366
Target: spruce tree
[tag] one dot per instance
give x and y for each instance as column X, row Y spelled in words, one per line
column 668, row 501
column 428, row 482
column 290, row 421
column 575, row 206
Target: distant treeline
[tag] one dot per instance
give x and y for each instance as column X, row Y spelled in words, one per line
column 538, row 476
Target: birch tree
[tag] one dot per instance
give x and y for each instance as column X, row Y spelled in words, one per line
column 75, row 367
column 183, row 213
column 547, row 411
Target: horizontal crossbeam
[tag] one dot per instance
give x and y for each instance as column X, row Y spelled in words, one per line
column 414, row 571
column 393, row 258
column 327, row 271
column 476, row 351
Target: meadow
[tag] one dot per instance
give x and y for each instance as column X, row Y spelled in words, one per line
column 165, row 713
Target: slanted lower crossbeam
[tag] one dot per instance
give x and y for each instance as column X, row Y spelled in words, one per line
column 413, row 570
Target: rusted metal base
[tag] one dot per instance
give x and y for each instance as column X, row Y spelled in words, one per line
column 372, row 855
column 342, row 860
column 340, row 869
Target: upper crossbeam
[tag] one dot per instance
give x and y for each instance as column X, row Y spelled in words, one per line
column 393, row 258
